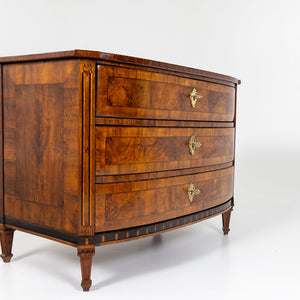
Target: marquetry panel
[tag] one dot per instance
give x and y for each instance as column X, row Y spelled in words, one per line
column 41, row 153
column 141, row 202
column 129, row 92
column 154, row 228
column 127, row 150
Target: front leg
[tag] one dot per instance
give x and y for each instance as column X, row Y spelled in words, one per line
column 226, row 220
column 86, row 254
column 6, row 236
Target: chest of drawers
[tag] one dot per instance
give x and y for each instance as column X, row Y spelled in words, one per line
column 99, row 148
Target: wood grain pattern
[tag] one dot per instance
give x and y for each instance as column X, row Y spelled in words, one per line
column 94, row 148
column 128, row 150
column 126, row 92
column 41, row 113
column 127, row 234
column 128, row 204
column 122, row 59
column 116, row 236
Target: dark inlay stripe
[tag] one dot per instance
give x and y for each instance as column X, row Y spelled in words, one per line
column 47, row 231
column 118, row 235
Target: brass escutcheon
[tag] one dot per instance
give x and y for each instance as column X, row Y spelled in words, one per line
column 193, row 144
column 194, row 96
column 192, row 191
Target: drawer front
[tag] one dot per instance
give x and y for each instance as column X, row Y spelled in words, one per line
column 127, row 150
column 121, row 205
column 131, row 93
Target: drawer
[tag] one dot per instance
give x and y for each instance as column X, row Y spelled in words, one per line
column 121, row 205
column 132, row 93
column 127, row 150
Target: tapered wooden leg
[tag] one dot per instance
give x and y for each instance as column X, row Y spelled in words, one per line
column 226, row 221
column 86, row 255
column 7, row 236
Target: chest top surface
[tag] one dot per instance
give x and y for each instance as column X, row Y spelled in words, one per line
column 103, row 56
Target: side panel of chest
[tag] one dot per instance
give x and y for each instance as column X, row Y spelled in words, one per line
column 41, row 151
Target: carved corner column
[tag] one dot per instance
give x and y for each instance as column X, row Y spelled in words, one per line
column 6, row 236
column 86, row 254
column 226, row 220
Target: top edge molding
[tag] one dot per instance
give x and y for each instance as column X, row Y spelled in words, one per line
column 116, row 58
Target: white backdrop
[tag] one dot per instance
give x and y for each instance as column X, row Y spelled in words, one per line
column 256, row 41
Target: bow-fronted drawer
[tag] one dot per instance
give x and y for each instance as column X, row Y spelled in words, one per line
column 128, row 204
column 127, row 150
column 134, row 93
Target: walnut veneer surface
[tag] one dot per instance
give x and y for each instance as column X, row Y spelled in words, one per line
column 99, row 148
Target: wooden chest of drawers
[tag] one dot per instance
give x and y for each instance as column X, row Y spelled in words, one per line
column 99, row 148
